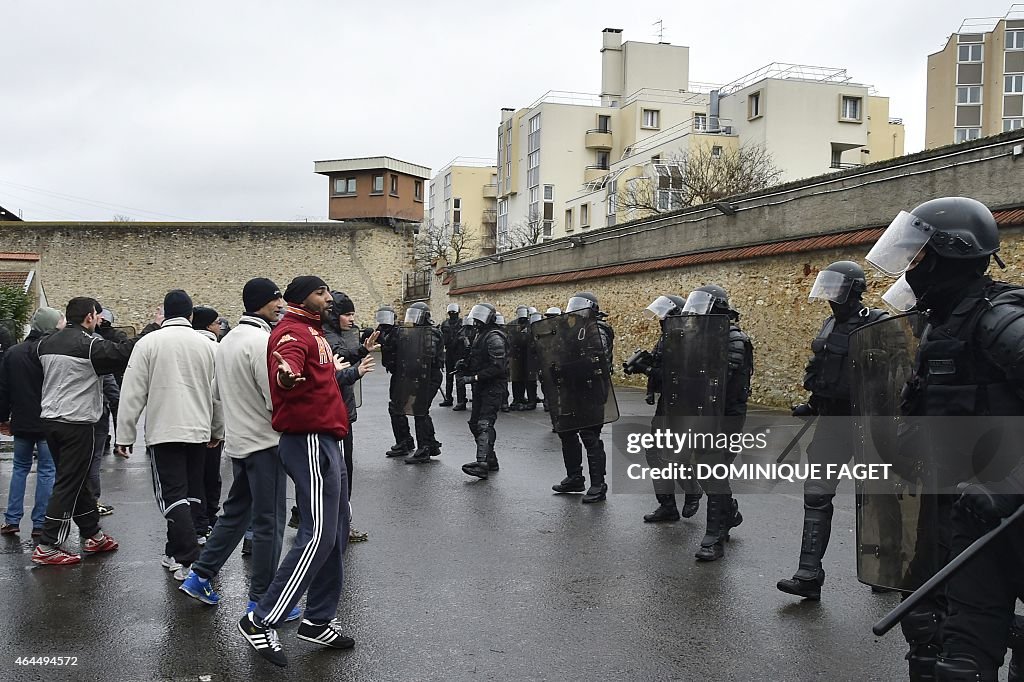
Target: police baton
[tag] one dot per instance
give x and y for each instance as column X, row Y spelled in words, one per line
column 896, row 615
column 796, row 439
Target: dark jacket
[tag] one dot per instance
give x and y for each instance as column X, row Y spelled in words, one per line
column 348, row 348
column 21, row 388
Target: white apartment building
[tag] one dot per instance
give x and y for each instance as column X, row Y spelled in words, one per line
column 562, row 159
column 463, row 195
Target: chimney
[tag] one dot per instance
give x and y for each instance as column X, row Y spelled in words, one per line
column 612, row 67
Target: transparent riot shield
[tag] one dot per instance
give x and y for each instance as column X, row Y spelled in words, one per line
column 518, row 336
column 414, row 383
column 575, row 372
column 896, row 520
column 350, row 340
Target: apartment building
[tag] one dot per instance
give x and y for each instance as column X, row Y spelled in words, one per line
column 976, row 82
column 377, row 188
column 562, row 160
column 463, row 201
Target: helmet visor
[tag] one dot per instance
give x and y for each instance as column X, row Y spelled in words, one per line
column 535, row 317
column 385, row 317
column 499, row 319
column 698, row 303
column 467, row 321
column 551, row 312
column 522, row 312
column 453, row 307
column 831, row 286
column 899, row 245
column 415, row 316
column 481, row 313
column 578, row 303
column 661, row 307
column 900, row 297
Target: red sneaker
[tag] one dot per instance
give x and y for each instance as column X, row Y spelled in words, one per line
column 105, row 543
column 53, row 556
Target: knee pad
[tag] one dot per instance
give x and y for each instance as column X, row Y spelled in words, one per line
column 960, row 668
column 921, row 626
column 818, row 500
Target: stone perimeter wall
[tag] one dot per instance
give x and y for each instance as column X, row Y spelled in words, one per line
column 130, row 266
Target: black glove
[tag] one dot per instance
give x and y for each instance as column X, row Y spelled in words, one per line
column 467, row 379
column 987, row 506
column 459, row 365
column 650, row 400
column 804, row 410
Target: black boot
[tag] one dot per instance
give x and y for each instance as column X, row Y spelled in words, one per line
column 293, row 522
column 691, row 505
column 400, row 450
column 598, row 492
column 435, row 449
column 666, row 510
column 723, row 514
column 447, row 402
column 571, row 484
column 810, row 576
column 461, row 407
column 478, row 469
column 421, row 456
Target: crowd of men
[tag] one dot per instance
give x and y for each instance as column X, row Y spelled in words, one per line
column 279, row 395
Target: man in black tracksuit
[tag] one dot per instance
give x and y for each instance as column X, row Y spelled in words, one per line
column 487, row 370
column 72, row 401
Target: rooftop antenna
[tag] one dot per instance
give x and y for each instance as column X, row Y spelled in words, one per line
column 661, row 30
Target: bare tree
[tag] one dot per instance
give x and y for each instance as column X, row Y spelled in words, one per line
column 450, row 243
column 121, row 218
column 700, row 176
column 528, row 232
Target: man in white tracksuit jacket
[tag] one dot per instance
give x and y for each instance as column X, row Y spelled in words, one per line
column 171, row 375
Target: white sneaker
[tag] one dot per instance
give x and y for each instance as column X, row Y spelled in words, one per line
column 170, row 563
column 182, row 572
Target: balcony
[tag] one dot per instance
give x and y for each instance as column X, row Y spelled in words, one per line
column 591, row 173
column 491, row 191
column 599, row 139
column 489, row 217
column 841, row 165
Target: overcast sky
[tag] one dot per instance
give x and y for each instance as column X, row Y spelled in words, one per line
column 216, row 110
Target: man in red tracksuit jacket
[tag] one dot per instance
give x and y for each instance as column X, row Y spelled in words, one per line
column 310, row 415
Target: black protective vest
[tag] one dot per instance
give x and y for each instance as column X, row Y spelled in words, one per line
column 478, row 355
column 951, row 374
column 828, row 372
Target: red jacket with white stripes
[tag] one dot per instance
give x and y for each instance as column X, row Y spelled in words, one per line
column 313, row 405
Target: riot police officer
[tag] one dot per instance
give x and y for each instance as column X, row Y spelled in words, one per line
column 970, row 362
column 419, row 359
column 650, row 364
column 587, row 392
column 486, row 369
column 723, row 510
column 454, row 350
column 827, row 377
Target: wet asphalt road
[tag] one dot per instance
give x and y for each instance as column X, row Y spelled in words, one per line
column 465, row 580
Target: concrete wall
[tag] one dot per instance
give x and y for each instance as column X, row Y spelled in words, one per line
column 130, row 266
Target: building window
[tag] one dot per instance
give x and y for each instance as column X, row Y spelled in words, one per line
column 417, row 190
column 1014, row 85
column 612, row 203
column 344, row 186
column 1015, row 40
column 968, row 94
column 716, row 152
column 603, row 159
column 969, row 53
column 457, row 211
column 1012, row 124
column 378, row 184
column 568, row 220
column 669, row 195
column 700, row 121
column 966, row 134
column 755, row 107
column 604, row 123
column 584, row 215
column 850, row 108
column 549, row 192
column 535, row 123
column 394, row 185
column 649, row 118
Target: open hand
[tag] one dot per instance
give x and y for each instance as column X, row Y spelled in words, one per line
column 285, row 376
column 123, row 451
column 366, row 365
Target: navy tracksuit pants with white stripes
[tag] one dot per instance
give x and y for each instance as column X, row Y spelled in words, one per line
column 315, row 464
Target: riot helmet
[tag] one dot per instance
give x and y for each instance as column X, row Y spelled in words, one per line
column 453, row 310
column 536, row 316
column 499, row 319
column 837, row 282
column 707, row 299
column 385, row 316
column 418, row 314
column 581, row 301
column 522, row 313
column 532, row 311
column 553, row 311
column 663, row 306
column 954, row 227
column 483, row 314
